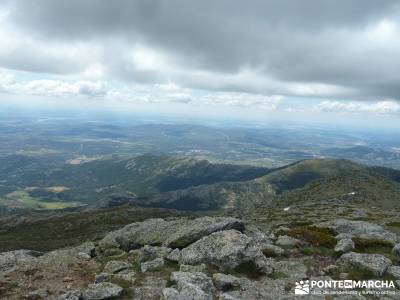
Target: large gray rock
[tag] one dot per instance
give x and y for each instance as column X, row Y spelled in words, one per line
column 102, row 277
column 396, row 249
column 174, row 255
column 360, row 229
column 291, row 268
column 266, row 289
column 38, row 294
column 103, row 290
column 152, row 252
column 71, row 295
column 170, row 294
column 151, row 288
column 18, row 259
column 196, row 285
column 126, row 275
column 377, row 264
column 270, row 250
column 344, row 245
column 60, row 260
column 114, row 266
column 190, row 268
column 286, row 241
column 225, row 250
column 152, row 265
column 225, row 282
column 394, row 271
column 174, row 234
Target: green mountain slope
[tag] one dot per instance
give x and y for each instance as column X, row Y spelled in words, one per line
column 144, row 176
column 363, row 187
column 318, row 179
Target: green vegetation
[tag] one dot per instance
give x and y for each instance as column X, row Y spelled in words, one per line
column 49, row 232
column 249, row 269
column 23, row 197
column 393, row 224
column 375, row 246
column 314, row 235
column 317, row 251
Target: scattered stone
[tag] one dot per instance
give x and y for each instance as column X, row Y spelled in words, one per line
column 68, row 279
column 18, row 259
column 152, row 252
column 225, row 282
column 152, row 265
column 360, row 229
column 103, row 290
column 190, row 268
column 394, row 271
column 257, row 235
column 331, row 269
column 344, row 246
column 396, row 249
column 291, row 268
column 71, row 295
column 225, row 250
column 343, row 236
column 114, row 266
column 270, row 250
column 88, row 248
column 375, row 263
column 286, row 241
column 126, row 275
column 112, row 251
column 225, row 296
column 151, row 288
column 174, row 255
column 195, row 285
column 170, row 294
column 344, row 276
column 281, row 229
column 83, row 256
column 265, row 289
column 102, row 277
column 272, row 236
column 38, row 294
column 359, row 214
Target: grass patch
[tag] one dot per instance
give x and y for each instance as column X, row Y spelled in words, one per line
column 373, row 246
column 125, row 284
column 393, row 224
column 358, row 274
column 37, row 203
column 279, row 275
column 103, row 260
column 249, row 269
column 314, row 236
column 317, row 251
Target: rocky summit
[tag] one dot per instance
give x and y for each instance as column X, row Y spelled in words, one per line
column 208, row 258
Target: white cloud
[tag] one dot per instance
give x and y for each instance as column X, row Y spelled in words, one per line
column 380, row 107
column 7, row 81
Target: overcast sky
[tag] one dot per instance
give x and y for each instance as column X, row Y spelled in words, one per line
column 304, row 57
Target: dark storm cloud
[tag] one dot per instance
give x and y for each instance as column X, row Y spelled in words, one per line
column 304, row 42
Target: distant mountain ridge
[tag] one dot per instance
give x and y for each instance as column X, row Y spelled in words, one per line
column 182, row 183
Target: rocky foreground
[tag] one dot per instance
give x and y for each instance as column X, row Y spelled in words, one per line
column 204, row 258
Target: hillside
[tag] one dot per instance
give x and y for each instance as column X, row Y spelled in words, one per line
column 187, row 184
column 28, row 184
column 310, row 179
column 362, row 187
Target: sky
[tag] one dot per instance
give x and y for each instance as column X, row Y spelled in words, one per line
column 315, row 59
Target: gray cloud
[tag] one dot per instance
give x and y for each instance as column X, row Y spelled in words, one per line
column 318, row 48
